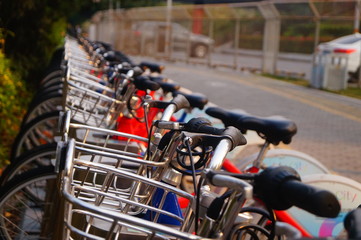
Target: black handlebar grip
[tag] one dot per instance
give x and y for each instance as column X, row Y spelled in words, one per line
column 137, row 71
column 180, row 102
column 202, row 125
column 352, row 224
column 236, row 136
column 280, row 188
column 143, row 83
column 314, row 200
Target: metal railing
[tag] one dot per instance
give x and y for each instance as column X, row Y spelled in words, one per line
column 217, row 35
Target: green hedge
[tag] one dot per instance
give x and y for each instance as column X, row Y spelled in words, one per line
column 14, row 98
column 31, row 31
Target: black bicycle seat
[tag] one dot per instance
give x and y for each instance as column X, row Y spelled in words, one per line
column 274, row 129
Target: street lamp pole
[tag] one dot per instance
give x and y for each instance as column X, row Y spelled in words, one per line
column 357, row 16
column 356, row 30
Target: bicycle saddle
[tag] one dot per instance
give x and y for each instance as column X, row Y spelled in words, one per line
column 115, row 57
column 195, row 100
column 274, row 129
column 153, row 67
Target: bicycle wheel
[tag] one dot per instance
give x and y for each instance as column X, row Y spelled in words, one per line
column 39, row 131
column 56, row 86
column 50, row 78
column 51, row 102
column 39, row 156
column 44, row 95
column 26, row 205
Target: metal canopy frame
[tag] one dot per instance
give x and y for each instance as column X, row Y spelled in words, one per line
column 272, row 12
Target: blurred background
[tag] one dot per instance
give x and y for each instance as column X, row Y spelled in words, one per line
column 265, row 32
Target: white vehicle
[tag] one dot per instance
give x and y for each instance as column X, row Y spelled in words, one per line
column 349, row 45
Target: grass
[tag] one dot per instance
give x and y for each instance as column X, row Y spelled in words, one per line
column 354, row 92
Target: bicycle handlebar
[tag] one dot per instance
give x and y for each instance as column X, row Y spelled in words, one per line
column 180, row 102
column 280, row 188
column 202, row 125
column 221, row 180
column 352, row 224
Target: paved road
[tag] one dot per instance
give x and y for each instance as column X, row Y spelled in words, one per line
column 329, row 125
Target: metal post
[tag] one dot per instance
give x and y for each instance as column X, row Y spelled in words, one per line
column 317, row 40
column 236, row 43
column 271, row 36
column 168, row 28
column 356, row 29
column 357, row 16
column 317, row 19
column 317, row 69
column 359, row 72
column 188, row 49
column 211, row 34
column 110, row 23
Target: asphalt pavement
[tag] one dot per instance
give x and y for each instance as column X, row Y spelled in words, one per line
column 329, row 125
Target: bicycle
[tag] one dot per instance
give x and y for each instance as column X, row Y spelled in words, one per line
column 73, row 196
column 217, row 166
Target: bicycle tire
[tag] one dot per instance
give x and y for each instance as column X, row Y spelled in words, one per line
column 27, row 203
column 58, row 73
column 50, row 103
column 58, row 85
column 38, row 131
column 39, row 156
column 43, row 96
column 52, row 81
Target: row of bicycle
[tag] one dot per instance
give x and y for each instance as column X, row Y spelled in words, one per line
column 110, row 149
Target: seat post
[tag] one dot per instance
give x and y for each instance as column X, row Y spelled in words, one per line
column 261, row 154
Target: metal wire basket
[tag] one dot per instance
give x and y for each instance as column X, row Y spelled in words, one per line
column 111, row 147
column 116, row 201
column 92, row 103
